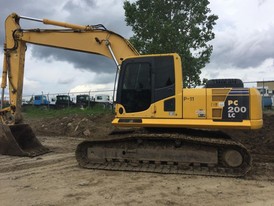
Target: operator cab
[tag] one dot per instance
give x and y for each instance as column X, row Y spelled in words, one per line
column 145, row 80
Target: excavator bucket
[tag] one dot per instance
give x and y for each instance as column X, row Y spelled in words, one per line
column 19, row 140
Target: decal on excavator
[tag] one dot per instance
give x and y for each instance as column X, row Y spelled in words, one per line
column 236, row 106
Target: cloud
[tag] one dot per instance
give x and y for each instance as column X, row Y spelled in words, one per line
column 262, row 72
column 93, row 88
column 79, row 60
column 244, row 36
column 239, row 52
column 65, row 80
column 104, row 78
column 84, row 5
column 261, row 2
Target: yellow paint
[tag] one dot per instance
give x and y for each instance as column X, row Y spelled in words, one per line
column 194, row 103
column 191, row 123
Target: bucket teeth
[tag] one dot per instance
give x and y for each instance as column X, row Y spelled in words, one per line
column 19, row 140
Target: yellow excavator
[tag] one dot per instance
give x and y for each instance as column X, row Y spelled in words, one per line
column 171, row 129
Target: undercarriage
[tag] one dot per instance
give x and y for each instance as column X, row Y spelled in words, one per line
column 178, row 151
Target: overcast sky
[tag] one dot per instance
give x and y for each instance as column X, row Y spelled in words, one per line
column 243, row 46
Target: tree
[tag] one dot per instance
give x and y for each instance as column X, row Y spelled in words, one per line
column 181, row 26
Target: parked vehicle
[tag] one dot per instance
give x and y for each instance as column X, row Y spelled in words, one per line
column 267, row 102
column 267, row 97
column 63, row 101
column 39, row 100
column 84, row 100
column 104, row 100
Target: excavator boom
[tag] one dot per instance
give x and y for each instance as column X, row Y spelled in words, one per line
column 17, row 138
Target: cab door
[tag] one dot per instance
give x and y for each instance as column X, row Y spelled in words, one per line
column 135, row 85
column 163, row 97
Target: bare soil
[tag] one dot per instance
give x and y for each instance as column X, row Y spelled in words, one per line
column 56, row 179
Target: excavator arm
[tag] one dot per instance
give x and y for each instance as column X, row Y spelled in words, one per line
column 91, row 39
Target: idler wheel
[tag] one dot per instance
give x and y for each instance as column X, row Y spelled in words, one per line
column 233, row 158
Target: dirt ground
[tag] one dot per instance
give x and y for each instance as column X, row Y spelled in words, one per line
column 56, row 179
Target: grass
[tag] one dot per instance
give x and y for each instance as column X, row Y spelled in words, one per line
column 269, row 111
column 45, row 112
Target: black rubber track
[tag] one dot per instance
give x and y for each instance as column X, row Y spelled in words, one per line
column 157, row 137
